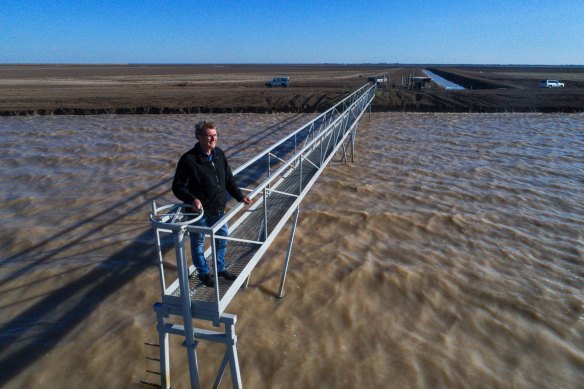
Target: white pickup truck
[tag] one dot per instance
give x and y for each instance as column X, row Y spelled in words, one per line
column 279, row 81
column 551, row 84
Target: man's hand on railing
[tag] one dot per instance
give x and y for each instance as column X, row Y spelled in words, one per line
column 197, row 205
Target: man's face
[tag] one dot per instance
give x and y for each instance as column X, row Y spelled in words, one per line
column 208, row 141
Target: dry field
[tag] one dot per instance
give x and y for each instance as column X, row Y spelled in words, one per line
column 136, row 89
column 494, row 89
column 526, row 77
column 174, row 88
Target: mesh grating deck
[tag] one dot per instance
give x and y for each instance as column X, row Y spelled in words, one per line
column 281, row 176
column 239, row 254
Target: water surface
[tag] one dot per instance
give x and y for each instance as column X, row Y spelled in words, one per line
column 449, row 254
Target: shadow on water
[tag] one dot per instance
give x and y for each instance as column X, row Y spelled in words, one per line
column 37, row 249
column 259, row 169
column 263, row 134
column 39, row 328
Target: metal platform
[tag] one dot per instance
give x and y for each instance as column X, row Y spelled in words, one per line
column 277, row 180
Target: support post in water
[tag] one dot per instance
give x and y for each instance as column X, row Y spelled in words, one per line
column 288, row 252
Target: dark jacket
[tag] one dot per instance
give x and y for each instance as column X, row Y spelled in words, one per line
column 209, row 181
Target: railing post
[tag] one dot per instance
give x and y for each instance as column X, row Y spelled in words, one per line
column 300, row 175
column 295, row 144
column 321, row 152
column 215, row 270
column 265, row 198
column 269, row 166
column 160, row 262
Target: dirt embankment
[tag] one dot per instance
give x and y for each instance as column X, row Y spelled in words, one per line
column 136, row 89
column 493, row 101
column 491, row 89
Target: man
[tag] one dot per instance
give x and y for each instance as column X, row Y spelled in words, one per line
column 203, row 178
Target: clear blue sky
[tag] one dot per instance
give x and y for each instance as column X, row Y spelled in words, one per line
column 356, row 31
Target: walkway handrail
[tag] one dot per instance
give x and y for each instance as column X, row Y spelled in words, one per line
column 361, row 99
column 364, row 92
column 229, row 215
column 323, row 115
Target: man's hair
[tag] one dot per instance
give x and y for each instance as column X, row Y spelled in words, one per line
column 201, row 127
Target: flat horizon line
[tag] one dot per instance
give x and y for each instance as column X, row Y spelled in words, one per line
column 392, row 64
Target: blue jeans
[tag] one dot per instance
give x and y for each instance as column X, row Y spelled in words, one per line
column 197, row 239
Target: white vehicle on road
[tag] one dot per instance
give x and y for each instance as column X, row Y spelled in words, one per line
column 551, row 84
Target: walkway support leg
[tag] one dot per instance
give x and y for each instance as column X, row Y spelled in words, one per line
column 183, row 275
column 230, row 340
column 287, row 261
column 230, row 343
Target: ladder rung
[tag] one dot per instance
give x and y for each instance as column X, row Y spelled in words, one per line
column 150, row 384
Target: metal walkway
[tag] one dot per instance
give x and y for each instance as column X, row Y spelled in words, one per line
column 277, row 180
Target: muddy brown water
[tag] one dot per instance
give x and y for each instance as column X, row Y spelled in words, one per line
column 450, row 254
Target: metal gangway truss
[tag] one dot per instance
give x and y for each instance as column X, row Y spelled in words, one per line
column 277, row 180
